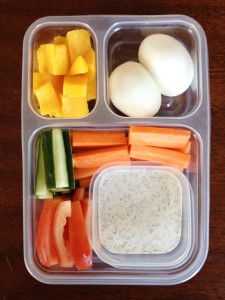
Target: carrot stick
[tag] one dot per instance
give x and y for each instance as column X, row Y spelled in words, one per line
column 98, row 138
column 85, row 182
column 84, row 173
column 186, row 148
column 160, row 155
column 98, row 157
column 159, row 137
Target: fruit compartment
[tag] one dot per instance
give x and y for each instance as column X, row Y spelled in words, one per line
column 43, row 34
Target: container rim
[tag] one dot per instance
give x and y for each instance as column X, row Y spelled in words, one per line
column 31, row 127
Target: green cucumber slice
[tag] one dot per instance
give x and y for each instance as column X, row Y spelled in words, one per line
column 48, row 159
column 41, row 190
column 69, row 162
column 59, row 157
column 55, row 173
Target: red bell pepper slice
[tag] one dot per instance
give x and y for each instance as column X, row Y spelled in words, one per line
column 62, row 213
column 79, row 194
column 84, row 206
column 78, row 240
column 45, row 246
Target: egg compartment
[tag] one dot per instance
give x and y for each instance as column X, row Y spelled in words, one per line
column 102, row 117
column 122, row 43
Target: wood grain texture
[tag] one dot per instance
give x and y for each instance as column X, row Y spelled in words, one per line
column 15, row 17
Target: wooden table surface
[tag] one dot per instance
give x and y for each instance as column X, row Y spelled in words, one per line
column 15, row 281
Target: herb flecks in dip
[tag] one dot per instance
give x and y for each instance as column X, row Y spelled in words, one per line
column 139, row 211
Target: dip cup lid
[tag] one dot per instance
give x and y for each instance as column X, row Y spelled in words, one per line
column 169, row 260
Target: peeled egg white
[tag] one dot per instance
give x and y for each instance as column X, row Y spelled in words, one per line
column 133, row 90
column 169, row 63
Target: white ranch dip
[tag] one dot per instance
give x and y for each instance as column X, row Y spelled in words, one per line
column 139, row 211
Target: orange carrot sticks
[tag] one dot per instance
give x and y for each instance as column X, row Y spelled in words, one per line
column 186, row 148
column 160, row 155
column 159, row 137
column 98, row 138
column 98, row 157
column 84, row 173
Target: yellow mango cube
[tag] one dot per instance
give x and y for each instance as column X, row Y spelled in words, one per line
column 79, row 66
column 91, row 90
column 42, row 78
column 61, row 62
column 57, row 82
column 74, row 107
column 56, row 59
column 48, row 100
column 41, row 60
column 48, row 54
column 90, row 59
column 78, row 42
column 53, row 59
column 75, row 86
column 59, row 40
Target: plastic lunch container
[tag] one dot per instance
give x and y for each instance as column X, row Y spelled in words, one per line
column 116, row 40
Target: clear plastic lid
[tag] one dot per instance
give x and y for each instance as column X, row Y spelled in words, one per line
column 150, row 231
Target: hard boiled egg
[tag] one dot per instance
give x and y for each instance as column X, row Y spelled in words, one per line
column 169, row 63
column 133, row 90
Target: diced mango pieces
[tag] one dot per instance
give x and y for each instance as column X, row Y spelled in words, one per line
column 53, row 59
column 48, row 100
column 57, row 82
column 41, row 59
column 59, row 40
column 90, row 59
column 74, row 107
column 78, row 42
column 61, row 61
column 42, row 78
column 91, row 90
column 75, row 86
column 65, row 78
column 48, row 56
column 79, row 66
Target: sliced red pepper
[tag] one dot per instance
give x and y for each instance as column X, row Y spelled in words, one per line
column 79, row 194
column 84, row 206
column 78, row 240
column 45, row 246
column 62, row 213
